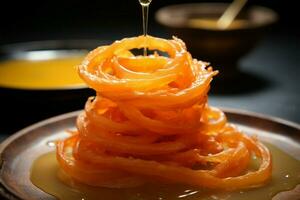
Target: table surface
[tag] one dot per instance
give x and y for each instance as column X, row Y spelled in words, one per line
column 274, row 63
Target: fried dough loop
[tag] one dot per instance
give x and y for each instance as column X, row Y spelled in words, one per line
column 150, row 121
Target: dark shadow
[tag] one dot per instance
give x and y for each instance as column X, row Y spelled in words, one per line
column 21, row 108
column 239, row 83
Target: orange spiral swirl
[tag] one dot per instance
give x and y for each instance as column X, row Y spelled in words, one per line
column 150, row 121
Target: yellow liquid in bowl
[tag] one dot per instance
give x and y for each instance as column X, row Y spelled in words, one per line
column 41, row 74
column 213, row 23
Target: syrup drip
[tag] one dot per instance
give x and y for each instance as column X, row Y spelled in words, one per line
column 145, row 10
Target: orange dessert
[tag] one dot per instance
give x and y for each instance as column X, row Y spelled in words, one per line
column 151, row 122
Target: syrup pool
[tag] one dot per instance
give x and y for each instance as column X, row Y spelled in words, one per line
column 45, row 175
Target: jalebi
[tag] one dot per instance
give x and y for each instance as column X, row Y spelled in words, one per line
column 150, row 122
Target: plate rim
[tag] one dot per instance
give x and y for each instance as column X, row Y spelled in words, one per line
column 8, row 193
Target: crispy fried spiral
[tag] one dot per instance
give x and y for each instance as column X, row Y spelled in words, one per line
column 150, row 121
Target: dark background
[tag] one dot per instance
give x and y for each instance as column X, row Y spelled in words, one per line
column 105, row 19
column 272, row 68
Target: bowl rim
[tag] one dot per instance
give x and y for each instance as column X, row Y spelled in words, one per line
column 164, row 13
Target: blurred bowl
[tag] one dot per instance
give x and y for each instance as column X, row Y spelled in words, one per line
column 196, row 25
column 22, row 105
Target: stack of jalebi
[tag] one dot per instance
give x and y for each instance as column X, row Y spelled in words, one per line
column 150, row 122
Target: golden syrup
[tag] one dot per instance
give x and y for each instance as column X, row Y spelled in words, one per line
column 145, row 10
column 285, row 176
